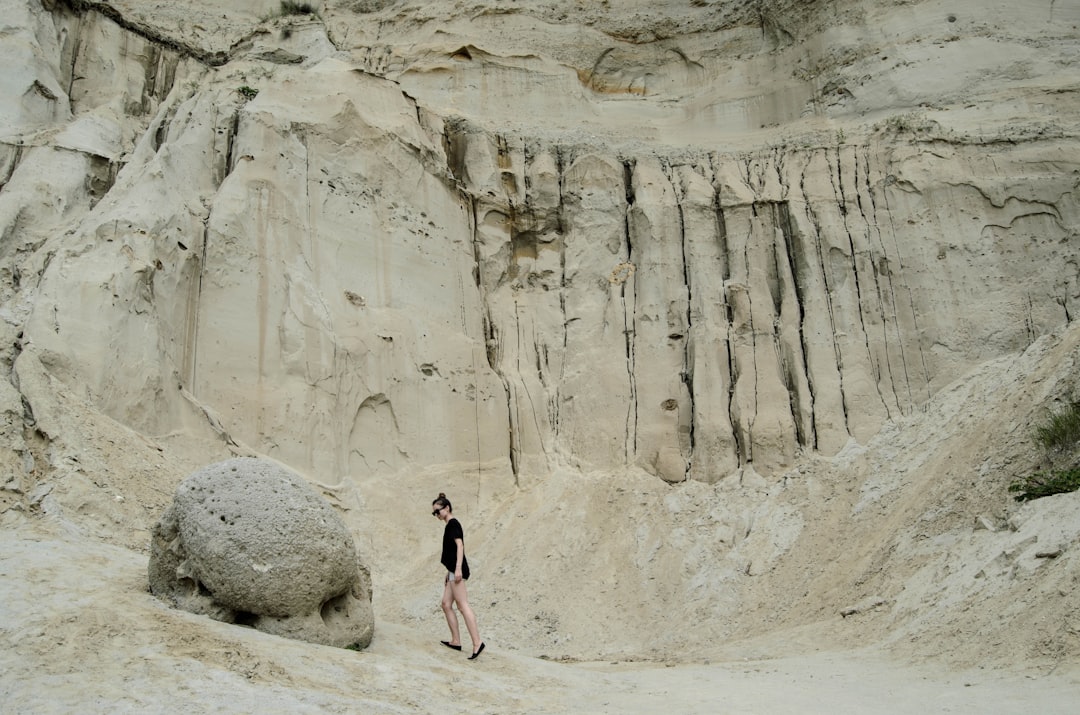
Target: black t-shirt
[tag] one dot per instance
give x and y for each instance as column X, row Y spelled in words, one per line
column 449, row 548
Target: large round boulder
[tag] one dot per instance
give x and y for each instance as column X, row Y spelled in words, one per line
column 248, row 541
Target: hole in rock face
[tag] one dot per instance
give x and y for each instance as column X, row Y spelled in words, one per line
column 951, row 18
column 669, row 405
column 336, row 608
column 245, row 618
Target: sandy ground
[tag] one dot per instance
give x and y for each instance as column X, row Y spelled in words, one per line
column 81, row 634
column 597, row 593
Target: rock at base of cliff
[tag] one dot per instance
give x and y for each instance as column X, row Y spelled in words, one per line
column 248, row 541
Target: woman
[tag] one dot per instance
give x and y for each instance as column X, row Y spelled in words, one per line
column 457, row 568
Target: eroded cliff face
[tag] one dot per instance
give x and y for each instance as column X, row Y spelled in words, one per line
column 520, row 235
column 815, row 262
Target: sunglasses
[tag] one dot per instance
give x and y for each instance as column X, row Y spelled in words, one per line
column 436, row 512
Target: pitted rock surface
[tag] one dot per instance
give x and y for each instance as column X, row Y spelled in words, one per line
column 249, row 541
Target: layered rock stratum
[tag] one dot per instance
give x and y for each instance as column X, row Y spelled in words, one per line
column 726, row 317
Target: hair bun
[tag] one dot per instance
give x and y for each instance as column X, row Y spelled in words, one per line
column 441, row 495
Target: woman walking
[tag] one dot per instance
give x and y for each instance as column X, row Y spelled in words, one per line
column 457, row 573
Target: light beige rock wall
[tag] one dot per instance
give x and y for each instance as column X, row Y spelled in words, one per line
column 526, row 234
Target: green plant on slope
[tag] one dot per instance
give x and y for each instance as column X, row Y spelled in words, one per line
column 1061, row 430
column 1058, row 436
column 247, row 92
column 1043, row 485
column 288, row 7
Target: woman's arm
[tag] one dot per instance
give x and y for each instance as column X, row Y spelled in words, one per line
column 460, row 555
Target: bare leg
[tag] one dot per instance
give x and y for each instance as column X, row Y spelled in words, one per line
column 451, row 617
column 460, row 594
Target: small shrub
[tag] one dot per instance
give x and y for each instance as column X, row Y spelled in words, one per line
column 1043, row 485
column 905, row 123
column 1061, row 430
column 247, row 92
column 288, row 7
column 1058, row 436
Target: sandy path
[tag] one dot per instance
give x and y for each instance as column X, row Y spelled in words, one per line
column 80, row 633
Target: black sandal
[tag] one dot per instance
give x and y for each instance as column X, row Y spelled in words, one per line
column 448, row 644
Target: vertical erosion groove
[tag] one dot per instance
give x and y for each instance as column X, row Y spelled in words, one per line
column 230, row 142
column 76, row 49
column 838, row 188
column 560, row 168
column 882, row 363
column 828, row 285
column 678, row 191
column 722, row 237
column 725, row 252
column 161, row 131
column 752, row 331
column 490, row 331
column 629, row 314
column 193, row 309
column 478, row 272
column 858, row 279
column 911, row 301
column 150, row 77
column 890, row 287
column 556, row 397
column 454, row 141
column 513, row 402
column 806, row 437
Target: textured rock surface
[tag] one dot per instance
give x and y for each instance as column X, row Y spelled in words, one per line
column 246, row 540
column 715, row 318
column 485, row 239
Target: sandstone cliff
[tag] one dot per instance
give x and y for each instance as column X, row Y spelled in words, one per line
column 728, row 243
column 413, row 236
